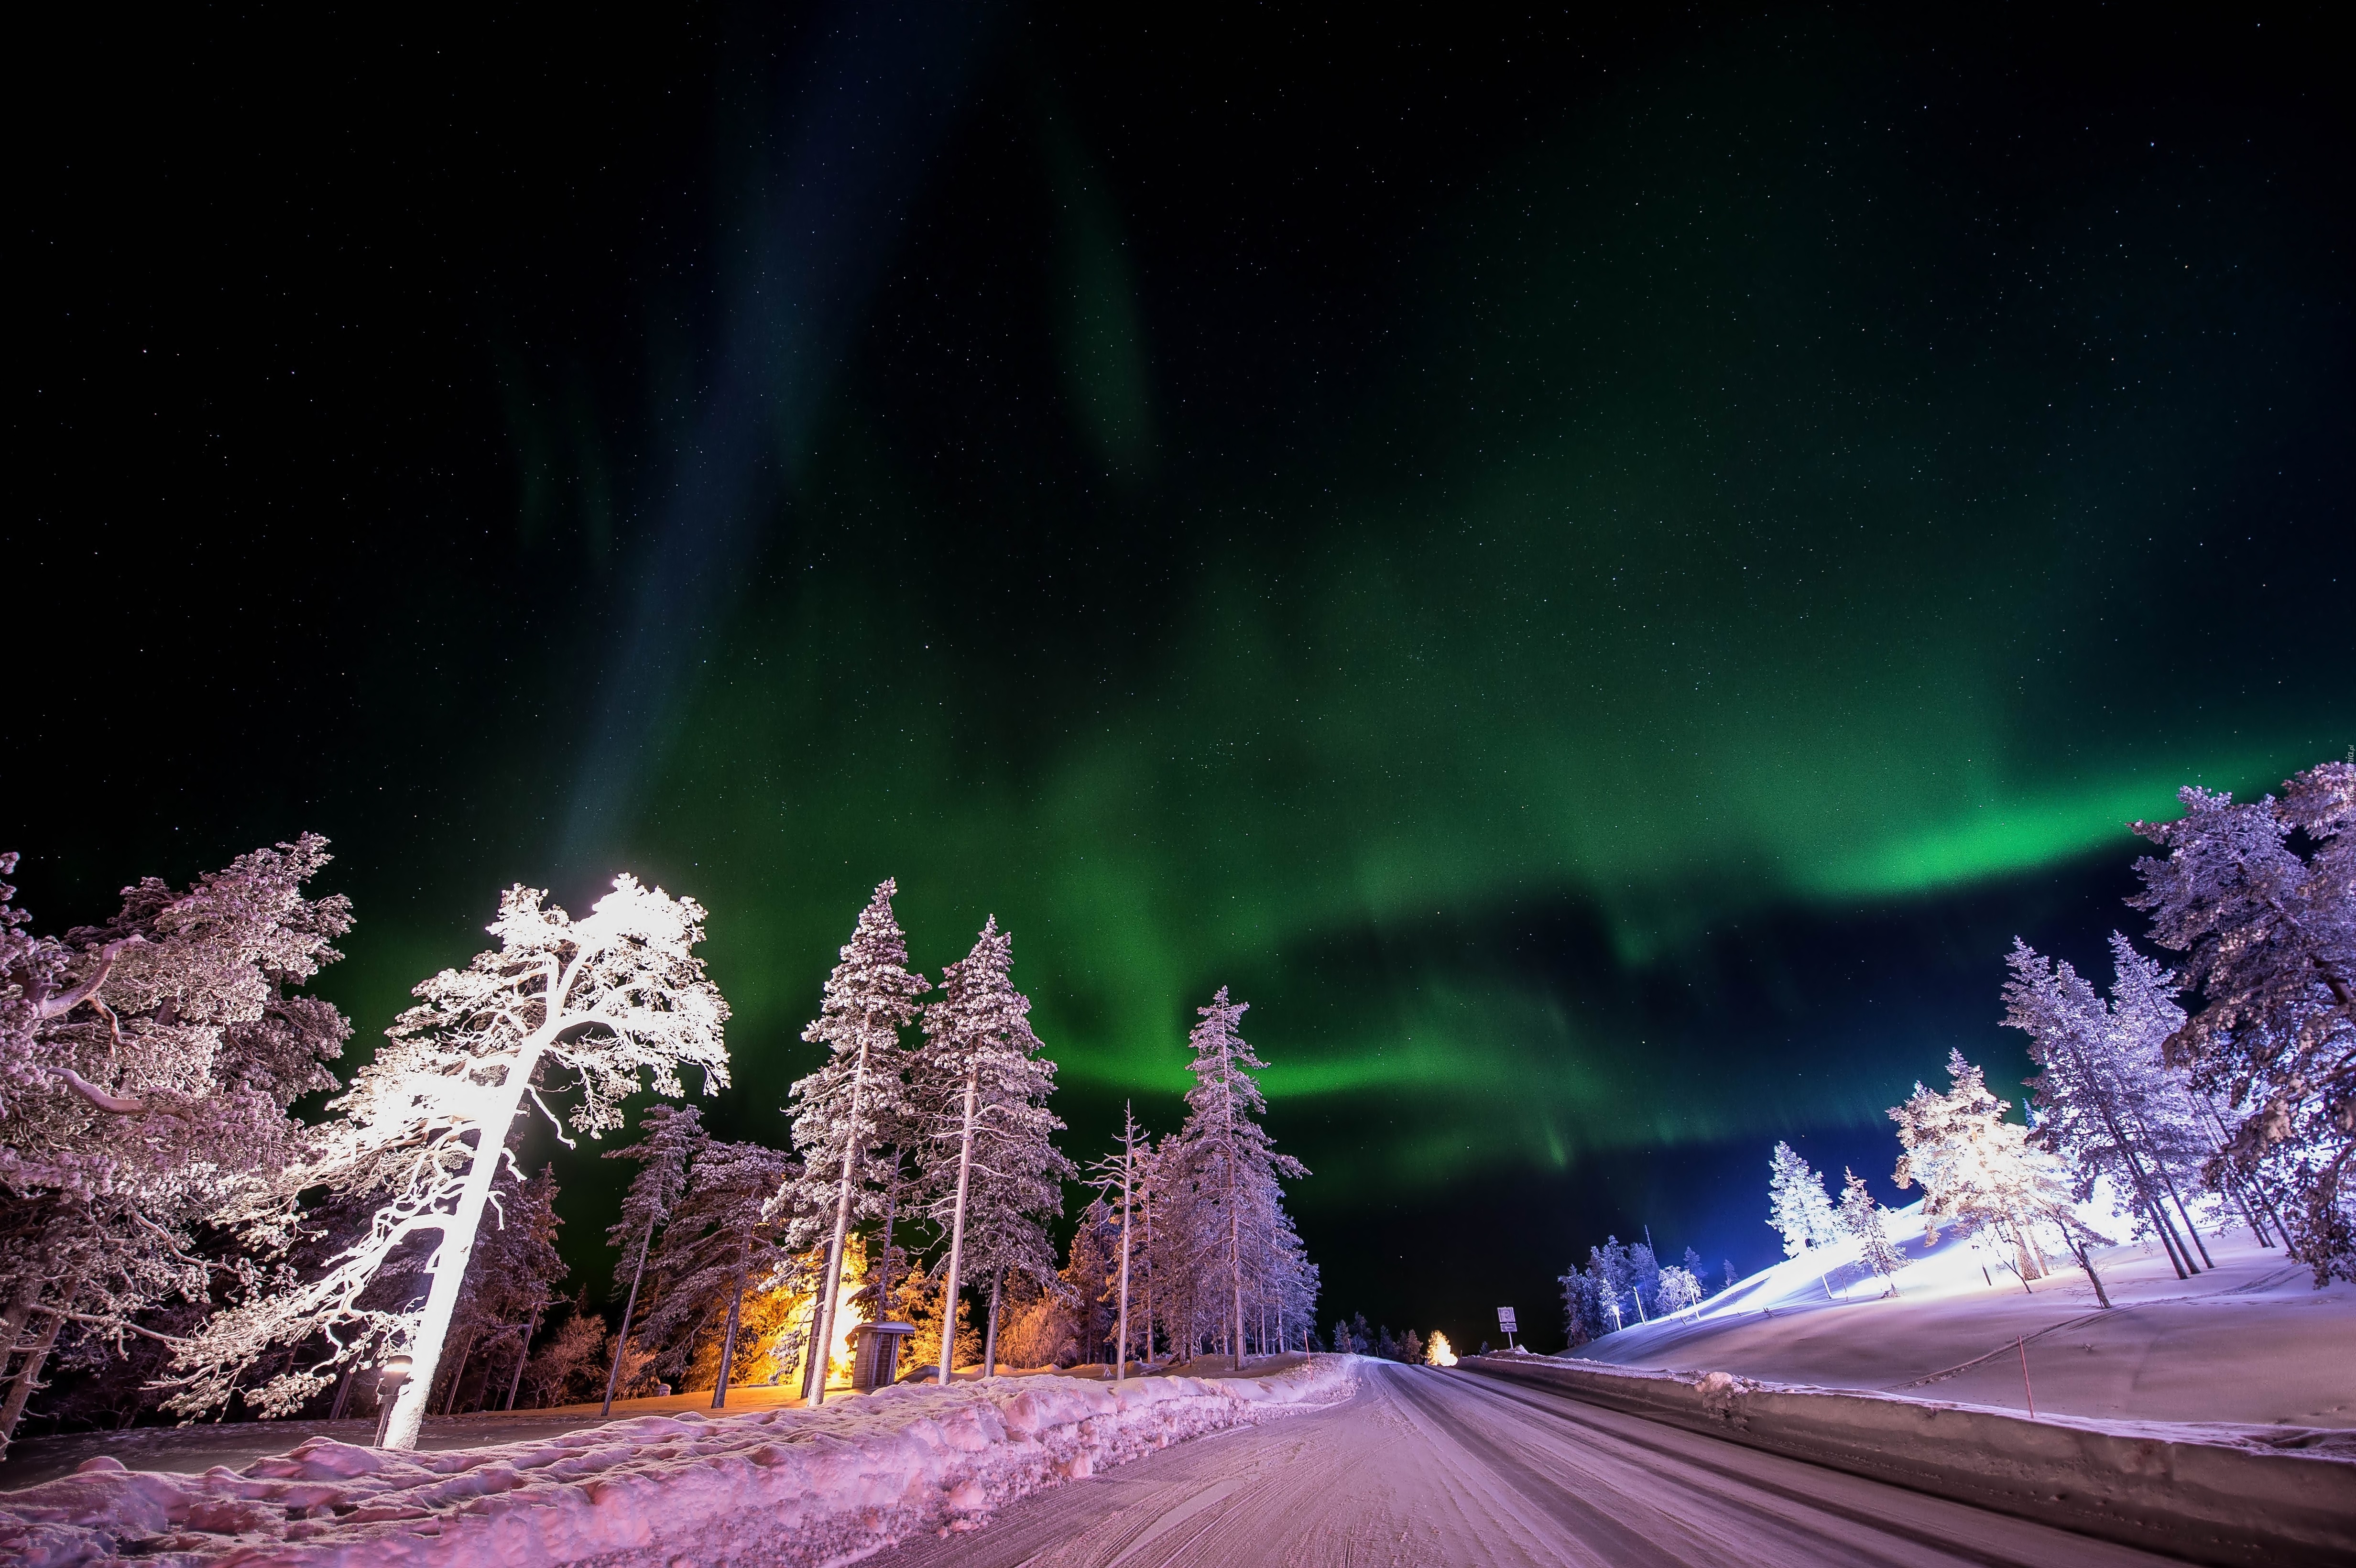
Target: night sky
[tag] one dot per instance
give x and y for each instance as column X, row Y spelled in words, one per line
column 1596, row 568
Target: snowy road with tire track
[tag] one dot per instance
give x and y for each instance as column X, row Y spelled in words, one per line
column 1428, row 1466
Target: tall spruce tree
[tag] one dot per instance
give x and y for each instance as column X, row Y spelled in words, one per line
column 2102, row 1096
column 1980, row 1175
column 981, row 1091
column 1860, row 1216
column 2269, row 939
column 668, row 1137
column 1798, row 1207
column 1231, row 1165
column 843, row 1111
column 721, row 1241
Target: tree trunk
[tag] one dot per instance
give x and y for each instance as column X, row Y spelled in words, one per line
column 458, row 1374
column 2135, row 1167
column 28, row 1376
column 2194, row 1231
column 1236, row 1257
column 343, row 1392
column 523, row 1354
column 728, row 1346
column 853, row 1135
column 1128, row 1156
column 884, row 1313
column 622, row 1340
column 990, row 1331
column 2178, row 1252
column 957, row 1233
column 2086, row 1261
column 459, row 1228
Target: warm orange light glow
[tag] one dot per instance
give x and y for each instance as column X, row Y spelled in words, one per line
column 1436, row 1352
column 846, row 1315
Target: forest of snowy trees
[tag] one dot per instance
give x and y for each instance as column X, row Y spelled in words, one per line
column 2223, row 1093
column 176, row 1238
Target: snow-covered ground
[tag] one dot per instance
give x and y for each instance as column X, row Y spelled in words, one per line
column 1425, row 1467
column 2250, row 1341
column 778, row 1486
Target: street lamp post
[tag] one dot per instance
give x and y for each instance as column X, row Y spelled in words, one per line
column 389, row 1379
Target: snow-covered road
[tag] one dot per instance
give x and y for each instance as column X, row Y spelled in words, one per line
column 1426, row 1466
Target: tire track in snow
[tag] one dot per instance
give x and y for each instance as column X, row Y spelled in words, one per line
column 1431, row 1467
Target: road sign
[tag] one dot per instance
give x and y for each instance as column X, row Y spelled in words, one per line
column 1506, row 1320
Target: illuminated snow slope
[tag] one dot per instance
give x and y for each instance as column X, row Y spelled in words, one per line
column 2250, row 1341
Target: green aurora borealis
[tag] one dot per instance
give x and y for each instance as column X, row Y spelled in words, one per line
column 1596, row 580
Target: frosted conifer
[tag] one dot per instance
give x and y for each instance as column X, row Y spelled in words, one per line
column 1230, row 1164
column 846, row 1109
column 619, row 998
column 1860, row 1216
column 2105, row 1100
column 983, row 1087
column 1797, row 1206
column 147, row 1066
column 1678, row 1289
column 1978, row 1172
column 718, row 1243
column 2270, row 944
column 668, row 1138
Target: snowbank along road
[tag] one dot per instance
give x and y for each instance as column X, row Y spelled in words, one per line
column 1431, row 1467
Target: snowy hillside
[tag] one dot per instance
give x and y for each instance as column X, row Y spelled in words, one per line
column 2250, row 1341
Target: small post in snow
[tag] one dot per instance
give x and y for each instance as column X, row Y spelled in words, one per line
column 1128, row 1168
column 2022, row 1344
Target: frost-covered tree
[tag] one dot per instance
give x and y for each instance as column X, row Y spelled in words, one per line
column 669, row 1136
column 847, row 1111
column 981, row 1094
column 1678, row 1289
column 1584, row 1316
column 719, row 1242
column 1229, row 1164
column 2269, row 939
column 1860, row 1216
column 1979, row 1174
column 147, row 1066
column 571, row 1361
column 618, row 999
column 1620, row 1285
column 512, row 1277
column 1115, row 1178
column 2105, row 1100
column 1798, row 1207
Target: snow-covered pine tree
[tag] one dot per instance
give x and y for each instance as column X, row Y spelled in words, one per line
column 1797, row 1206
column 619, row 998
column 147, row 1066
column 1860, row 1216
column 571, row 1360
column 669, row 1136
column 982, row 1094
column 1230, row 1163
column 512, row 1276
column 2104, row 1102
column 1679, row 1288
column 1583, row 1315
column 720, row 1243
column 2270, row 944
column 844, row 1112
column 1979, row 1174
column 2182, row 1122
column 1115, row 1178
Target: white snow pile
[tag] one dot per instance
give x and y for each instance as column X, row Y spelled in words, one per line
column 775, row 1486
